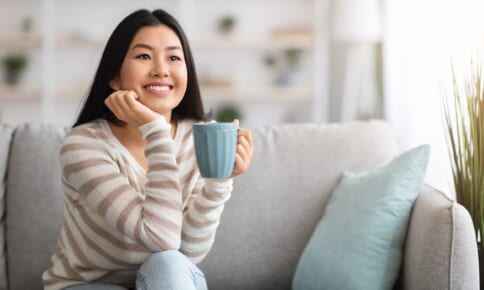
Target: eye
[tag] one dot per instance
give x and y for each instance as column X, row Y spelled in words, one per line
column 144, row 56
column 175, row 58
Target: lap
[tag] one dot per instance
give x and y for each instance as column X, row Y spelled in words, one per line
column 164, row 270
column 95, row 286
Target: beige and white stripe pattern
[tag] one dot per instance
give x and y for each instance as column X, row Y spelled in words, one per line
column 116, row 214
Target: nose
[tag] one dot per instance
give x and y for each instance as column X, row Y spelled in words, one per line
column 160, row 69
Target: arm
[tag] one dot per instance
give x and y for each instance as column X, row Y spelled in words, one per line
column 201, row 219
column 440, row 250
column 154, row 221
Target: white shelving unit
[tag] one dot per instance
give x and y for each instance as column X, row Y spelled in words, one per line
column 22, row 40
column 69, row 37
column 24, row 92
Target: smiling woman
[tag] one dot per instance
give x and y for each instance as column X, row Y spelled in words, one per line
column 127, row 45
column 137, row 212
column 154, row 69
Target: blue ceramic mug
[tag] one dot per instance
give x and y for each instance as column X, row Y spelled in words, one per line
column 215, row 148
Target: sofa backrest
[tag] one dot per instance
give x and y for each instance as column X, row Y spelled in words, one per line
column 34, row 202
column 265, row 226
column 5, row 139
column 277, row 203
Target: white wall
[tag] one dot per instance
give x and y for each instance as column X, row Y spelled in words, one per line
column 421, row 39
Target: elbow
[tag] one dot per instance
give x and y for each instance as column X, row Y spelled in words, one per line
column 175, row 244
column 198, row 259
column 163, row 241
column 171, row 242
column 195, row 257
column 195, row 253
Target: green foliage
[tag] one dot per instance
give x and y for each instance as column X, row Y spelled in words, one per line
column 464, row 117
column 27, row 24
column 287, row 59
column 226, row 23
column 15, row 62
column 228, row 114
column 292, row 56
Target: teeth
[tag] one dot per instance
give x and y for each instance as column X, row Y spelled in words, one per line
column 158, row 88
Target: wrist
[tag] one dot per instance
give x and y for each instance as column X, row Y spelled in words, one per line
column 219, row 184
column 157, row 124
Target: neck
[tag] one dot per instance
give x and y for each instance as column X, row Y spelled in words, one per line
column 128, row 134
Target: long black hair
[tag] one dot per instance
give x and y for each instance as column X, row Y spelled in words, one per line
column 112, row 59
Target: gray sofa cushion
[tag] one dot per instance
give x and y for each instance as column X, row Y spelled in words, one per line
column 35, row 200
column 5, row 139
column 277, row 203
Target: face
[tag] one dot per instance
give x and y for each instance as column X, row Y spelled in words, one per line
column 154, row 67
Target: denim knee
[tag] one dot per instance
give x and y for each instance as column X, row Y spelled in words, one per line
column 169, row 270
column 164, row 261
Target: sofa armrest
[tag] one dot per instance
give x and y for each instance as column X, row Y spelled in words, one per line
column 440, row 249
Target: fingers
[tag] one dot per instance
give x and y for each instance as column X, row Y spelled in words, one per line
column 126, row 106
column 121, row 103
column 245, row 150
column 240, row 166
column 244, row 142
column 244, row 137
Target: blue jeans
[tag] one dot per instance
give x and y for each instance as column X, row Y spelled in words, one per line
column 167, row 270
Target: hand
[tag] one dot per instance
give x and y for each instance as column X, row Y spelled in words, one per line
column 245, row 151
column 126, row 106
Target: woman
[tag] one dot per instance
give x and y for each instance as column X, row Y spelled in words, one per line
column 136, row 210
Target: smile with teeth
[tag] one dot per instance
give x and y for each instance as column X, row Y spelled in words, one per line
column 158, row 88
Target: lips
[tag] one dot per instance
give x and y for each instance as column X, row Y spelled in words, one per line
column 159, row 88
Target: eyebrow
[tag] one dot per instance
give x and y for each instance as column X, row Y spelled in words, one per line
column 149, row 47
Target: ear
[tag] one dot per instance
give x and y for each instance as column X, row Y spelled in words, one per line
column 114, row 84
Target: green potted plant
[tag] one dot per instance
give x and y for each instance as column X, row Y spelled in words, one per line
column 14, row 65
column 27, row 24
column 285, row 65
column 226, row 24
column 292, row 57
column 291, row 62
column 228, row 113
column 464, row 118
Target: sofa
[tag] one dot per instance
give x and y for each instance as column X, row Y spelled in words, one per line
column 266, row 224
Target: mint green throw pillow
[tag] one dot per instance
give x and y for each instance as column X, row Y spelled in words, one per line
column 359, row 241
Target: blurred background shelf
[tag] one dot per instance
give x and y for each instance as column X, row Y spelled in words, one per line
column 247, row 42
column 232, row 42
column 257, row 94
column 19, row 93
column 66, row 38
column 69, row 41
column 21, row 40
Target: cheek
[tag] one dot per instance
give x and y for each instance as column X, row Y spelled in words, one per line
column 182, row 81
column 185, row 76
column 127, row 76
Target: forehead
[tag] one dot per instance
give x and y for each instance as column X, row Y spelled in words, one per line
column 158, row 35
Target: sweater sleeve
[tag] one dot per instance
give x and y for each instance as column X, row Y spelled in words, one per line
column 202, row 217
column 154, row 217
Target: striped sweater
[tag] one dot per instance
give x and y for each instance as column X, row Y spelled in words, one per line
column 116, row 213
